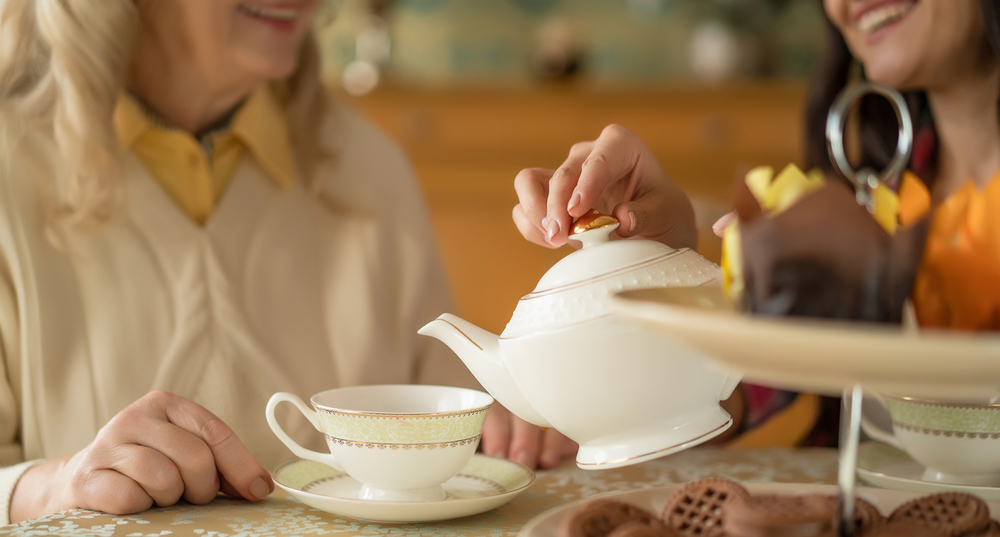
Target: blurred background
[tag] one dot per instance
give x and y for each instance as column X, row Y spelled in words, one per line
column 476, row 90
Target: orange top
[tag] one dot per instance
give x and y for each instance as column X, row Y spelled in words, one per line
column 958, row 283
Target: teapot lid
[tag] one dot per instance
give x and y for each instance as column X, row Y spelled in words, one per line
column 600, row 256
column 578, row 287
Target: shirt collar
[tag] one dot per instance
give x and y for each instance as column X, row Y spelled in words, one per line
column 260, row 124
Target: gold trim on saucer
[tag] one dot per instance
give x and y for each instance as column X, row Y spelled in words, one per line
column 407, row 447
column 626, row 459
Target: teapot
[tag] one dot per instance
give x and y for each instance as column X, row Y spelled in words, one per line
column 567, row 360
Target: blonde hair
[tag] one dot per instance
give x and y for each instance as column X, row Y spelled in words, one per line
column 63, row 65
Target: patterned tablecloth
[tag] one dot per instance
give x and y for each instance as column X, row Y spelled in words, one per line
column 283, row 515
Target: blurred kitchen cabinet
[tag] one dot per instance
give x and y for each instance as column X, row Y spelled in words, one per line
column 467, row 146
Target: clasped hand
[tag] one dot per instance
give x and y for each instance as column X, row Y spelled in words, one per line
column 159, row 449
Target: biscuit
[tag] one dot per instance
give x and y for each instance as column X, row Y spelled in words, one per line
column 806, row 515
column 697, row 508
column 991, row 530
column 903, row 528
column 866, row 516
column 952, row 513
column 600, row 517
column 636, row 528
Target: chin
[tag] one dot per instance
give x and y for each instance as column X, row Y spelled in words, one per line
column 893, row 73
column 271, row 67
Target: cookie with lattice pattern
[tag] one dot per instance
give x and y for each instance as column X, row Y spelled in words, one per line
column 953, row 513
column 697, row 508
column 598, row 518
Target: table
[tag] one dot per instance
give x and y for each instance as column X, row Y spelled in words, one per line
column 281, row 515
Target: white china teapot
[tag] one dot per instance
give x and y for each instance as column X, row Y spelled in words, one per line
column 567, row 360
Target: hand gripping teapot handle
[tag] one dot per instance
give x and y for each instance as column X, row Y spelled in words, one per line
column 310, row 414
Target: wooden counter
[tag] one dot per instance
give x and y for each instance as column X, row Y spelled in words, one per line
column 468, row 145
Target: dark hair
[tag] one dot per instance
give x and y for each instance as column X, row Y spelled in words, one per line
column 877, row 126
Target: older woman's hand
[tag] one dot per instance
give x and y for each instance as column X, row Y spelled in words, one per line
column 508, row 436
column 616, row 174
column 158, row 450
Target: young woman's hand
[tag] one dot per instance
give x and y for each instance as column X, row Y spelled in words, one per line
column 158, row 450
column 616, row 174
column 508, row 436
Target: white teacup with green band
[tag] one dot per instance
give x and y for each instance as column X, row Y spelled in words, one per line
column 400, row 441
column 957, row 443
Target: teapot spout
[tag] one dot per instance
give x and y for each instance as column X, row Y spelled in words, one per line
column 480, row 351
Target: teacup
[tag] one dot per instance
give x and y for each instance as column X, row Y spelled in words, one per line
column 401, row 442
column 957, row 443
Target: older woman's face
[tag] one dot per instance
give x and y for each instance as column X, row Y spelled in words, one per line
column 253, row 38
column 912, row 44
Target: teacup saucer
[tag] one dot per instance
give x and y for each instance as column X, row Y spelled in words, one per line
column 887, row 467
column 485, row 483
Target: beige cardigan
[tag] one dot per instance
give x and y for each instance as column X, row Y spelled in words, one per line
column 281, row 290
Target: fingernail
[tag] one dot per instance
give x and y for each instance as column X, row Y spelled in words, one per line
column 550, row 460
column 631, row 221
column 574, row 201
column 524, row 458
column 551, row 228
column 719, row 227
column 259, row 489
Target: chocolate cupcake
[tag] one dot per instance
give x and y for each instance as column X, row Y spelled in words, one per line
column 825, row 256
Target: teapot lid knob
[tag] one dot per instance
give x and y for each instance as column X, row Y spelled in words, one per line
column 593, row 228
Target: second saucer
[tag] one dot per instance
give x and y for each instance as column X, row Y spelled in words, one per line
column 887, row 467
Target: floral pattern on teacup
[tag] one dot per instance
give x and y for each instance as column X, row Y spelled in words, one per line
column 403, row 428
column 945, row 417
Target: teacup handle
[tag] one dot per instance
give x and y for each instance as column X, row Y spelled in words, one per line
column 877, row 432
column 310, row 414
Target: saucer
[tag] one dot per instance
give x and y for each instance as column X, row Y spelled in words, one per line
column 653, row 500
column 887, row 467
column 485, row 483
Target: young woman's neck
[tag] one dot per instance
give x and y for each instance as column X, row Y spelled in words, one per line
column 187, row 97
column 968, row 131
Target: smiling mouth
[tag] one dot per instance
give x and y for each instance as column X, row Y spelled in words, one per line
column 277, row 14
column 881, row 16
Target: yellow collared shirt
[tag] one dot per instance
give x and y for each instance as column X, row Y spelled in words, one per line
column 196, row 173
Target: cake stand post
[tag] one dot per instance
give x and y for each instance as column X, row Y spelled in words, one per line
column 850, row 434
